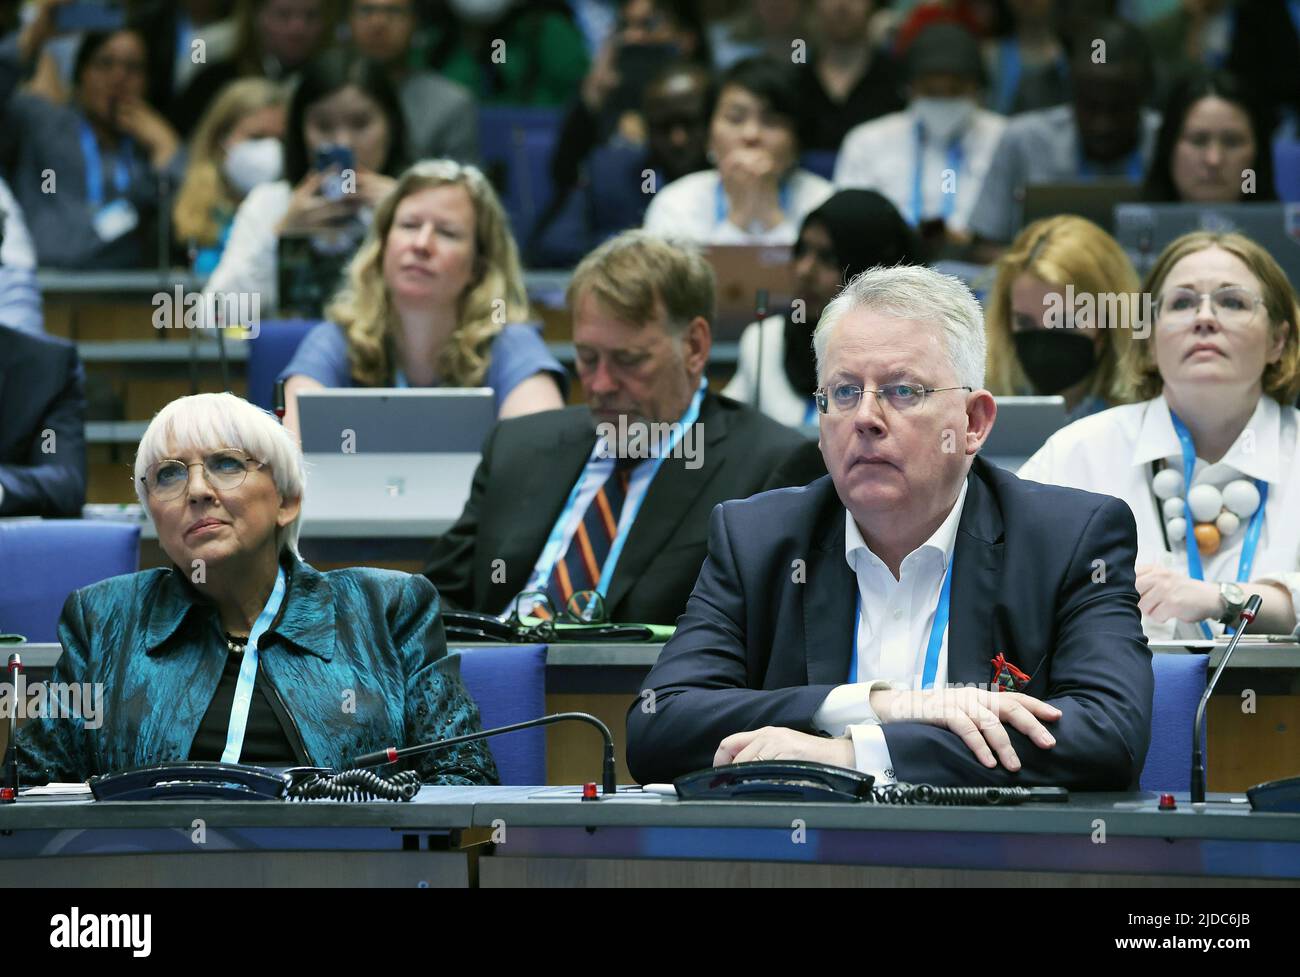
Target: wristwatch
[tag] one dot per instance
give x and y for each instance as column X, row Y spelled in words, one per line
column 1234, row 602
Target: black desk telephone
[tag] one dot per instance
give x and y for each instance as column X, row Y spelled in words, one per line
column 805, row 781
column 208, row 781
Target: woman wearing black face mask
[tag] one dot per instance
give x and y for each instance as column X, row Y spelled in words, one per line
column 852, row 231
column 1065, row 300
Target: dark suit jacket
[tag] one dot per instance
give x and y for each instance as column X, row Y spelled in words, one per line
column 757, row 649
column 42, row 388
column 530, row 465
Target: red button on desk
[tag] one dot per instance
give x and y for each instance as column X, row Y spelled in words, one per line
column 1167, row 802
column 589, row 792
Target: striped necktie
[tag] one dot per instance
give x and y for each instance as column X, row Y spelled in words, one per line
column 580, row 567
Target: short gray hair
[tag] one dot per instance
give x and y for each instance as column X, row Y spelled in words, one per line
column 915, row 292
column 204, row 422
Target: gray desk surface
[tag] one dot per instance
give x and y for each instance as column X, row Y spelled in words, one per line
column 352, row 528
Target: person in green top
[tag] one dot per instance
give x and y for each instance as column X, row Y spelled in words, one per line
column 507, row 52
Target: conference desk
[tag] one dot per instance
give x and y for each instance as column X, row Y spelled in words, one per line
column 535, row 836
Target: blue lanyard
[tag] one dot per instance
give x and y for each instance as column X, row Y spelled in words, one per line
column 1010, row 80
column 248, row 673
column 95, row 167
column 1132, row 166
column 932, row 645
column 1249, row 542
column 721, row 206
column 948, row 200
column 555, row 542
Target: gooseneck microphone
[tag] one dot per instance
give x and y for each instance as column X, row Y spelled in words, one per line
column 9, row 790
column 760, row 315
column 609, row 773
column 1248, row 614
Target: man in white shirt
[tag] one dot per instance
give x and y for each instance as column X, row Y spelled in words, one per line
column 918, row 614
column 930, row 160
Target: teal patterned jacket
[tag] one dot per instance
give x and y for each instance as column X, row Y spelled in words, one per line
column 363, row 637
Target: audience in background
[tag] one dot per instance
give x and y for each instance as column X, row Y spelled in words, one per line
column 758, row 193
column 1028, row 67
column 92, row 175
column 1049, row 332
column 1213, row 146
column 641, row 311
column 238, row 145
column 441, row 118
column 20, row 296
column 847, row 79
column 930, row 160
column 185, row 36
column 344, row 101
column 273, row 39
column 619, row 179
column 508, row 52
column 1265, row 47
column 42, row 434
column 422, row 304
column 1104, row 133
column 852, row 231
column 1195, row 35
column 1210, row 450
column 650, row 36
column 761, row 28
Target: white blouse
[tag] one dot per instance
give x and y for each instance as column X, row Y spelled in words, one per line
column 1112, row 453
column 694, row 208
column 248, row 263
column 778, row 399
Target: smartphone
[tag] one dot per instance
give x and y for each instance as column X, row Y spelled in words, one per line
column 333, row 161
column 106, row 15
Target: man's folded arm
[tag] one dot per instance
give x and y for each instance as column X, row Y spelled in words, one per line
column 1100, row 678
column 699, row 691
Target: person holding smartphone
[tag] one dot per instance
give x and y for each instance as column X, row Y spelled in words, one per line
column 344, row 144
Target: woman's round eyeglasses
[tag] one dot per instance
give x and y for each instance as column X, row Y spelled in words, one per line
column 225, row 469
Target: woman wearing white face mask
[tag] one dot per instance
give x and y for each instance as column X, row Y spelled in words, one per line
column 236, row 147
column 931, row 158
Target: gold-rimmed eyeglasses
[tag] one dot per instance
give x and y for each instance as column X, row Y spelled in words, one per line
column 224, row 469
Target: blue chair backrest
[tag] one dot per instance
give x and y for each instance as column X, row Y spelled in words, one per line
column 1180, row 683
column 1286, row 169
column 44, row 561
column 509, row 685
column 819, row 161
column 516, row 144
column 277, row 340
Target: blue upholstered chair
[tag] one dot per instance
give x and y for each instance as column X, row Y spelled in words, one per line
column 1180, row 683
column 509, row 685
column 43, row 561
column 277, row 340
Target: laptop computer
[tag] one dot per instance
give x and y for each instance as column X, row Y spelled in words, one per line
column 1143, row 230
column 1023, row 425
column 1095, row 200
column 741, row 271
column 384, row 456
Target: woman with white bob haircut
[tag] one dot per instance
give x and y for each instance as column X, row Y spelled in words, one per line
column 240, row 651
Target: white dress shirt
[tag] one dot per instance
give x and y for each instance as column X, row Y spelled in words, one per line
column 687, row 209
column 880, row 155
column 893, row 632
column 1112, row 452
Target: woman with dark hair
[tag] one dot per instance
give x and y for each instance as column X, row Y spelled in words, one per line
column 851, row 232
column 90, row 174
column 756, row 193
column 345, row 105
column 1213, row 132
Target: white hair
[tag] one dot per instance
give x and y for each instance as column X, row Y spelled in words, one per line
column 920, row 293
column 205, row 422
